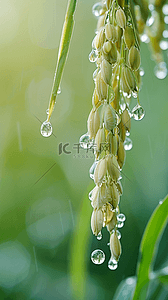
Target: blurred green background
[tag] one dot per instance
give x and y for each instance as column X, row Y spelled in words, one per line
column 46, row 238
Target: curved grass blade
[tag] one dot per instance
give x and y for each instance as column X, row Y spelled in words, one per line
column 125, row 289
column 63, row 52
column 148, row 248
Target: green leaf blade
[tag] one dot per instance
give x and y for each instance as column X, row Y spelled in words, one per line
column 148, row 247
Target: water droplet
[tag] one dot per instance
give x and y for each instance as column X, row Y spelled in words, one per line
column 59, row 91
column 121, row 218
column 95, row 73
column 151, row 7
column 165, row 34
column 163, row 45
column 99, row 236
column 135, row 94
column 108, row 244
column 47, row 111
column 138, row 112
column 97, row 9
column 85, row 141
column 160, row 70
column 166, row 19
column 46, row 129
column 141, row 72
column 150, row 21
column 160, row 202
column 92, row 169
column 120, row 224
column 118, row 234
column 165, row 9
column 98, row 257
column 127, row 133
column 144, row 38
column 127, row 144
column 92, row 56
column 112, row 265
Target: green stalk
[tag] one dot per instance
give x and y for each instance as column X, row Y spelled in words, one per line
column 63, row 52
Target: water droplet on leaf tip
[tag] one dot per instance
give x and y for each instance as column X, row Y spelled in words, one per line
column 97, row 257
column 46, row 129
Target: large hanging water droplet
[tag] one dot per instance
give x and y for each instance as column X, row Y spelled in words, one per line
column 112, row 265
column 160, row 70
column 141, row 72
column 127, row 144
column 138, row 112
column 97, row 9
column 98, row 257
column 92, row 56
column 85, row 141
column 92, row 169
column 121, row 218
column 163, row 45
column 165, row 9
column 46, row 129
column 99, row 236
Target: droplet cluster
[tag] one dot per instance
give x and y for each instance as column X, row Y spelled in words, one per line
column 154, row 31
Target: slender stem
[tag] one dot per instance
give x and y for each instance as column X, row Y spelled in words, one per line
column 63, row 52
